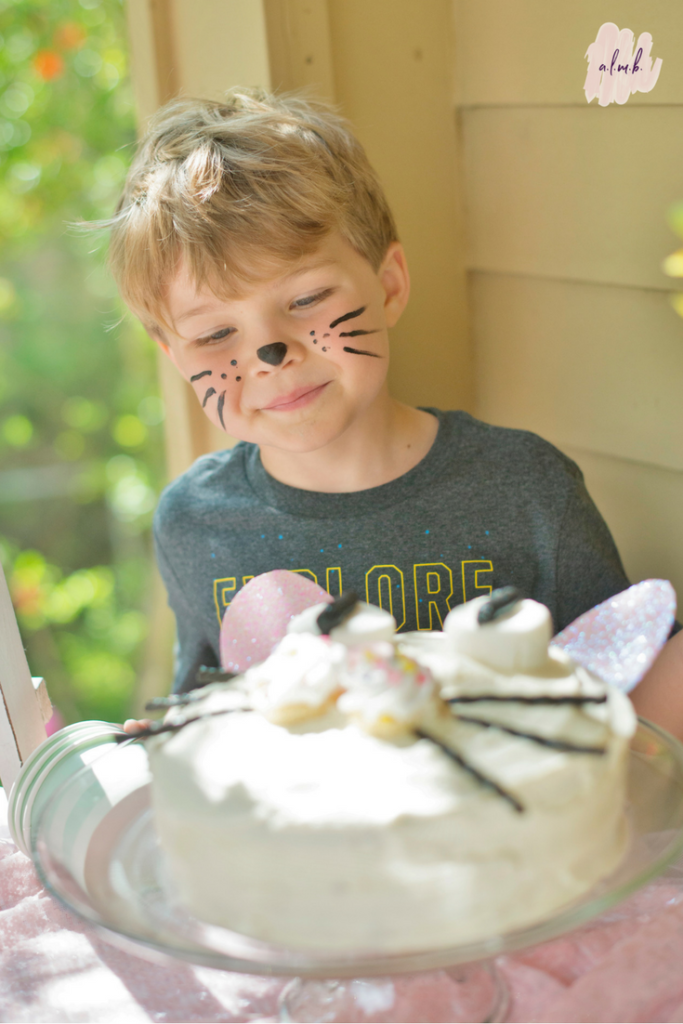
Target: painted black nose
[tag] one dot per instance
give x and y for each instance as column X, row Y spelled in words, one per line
column 272, row 354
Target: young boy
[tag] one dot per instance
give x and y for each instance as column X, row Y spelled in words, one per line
column 256, row 245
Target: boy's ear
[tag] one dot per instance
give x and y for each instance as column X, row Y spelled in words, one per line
column 164, row 346
column 395, row 280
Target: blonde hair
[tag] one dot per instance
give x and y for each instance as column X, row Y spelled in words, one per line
column 237, row 189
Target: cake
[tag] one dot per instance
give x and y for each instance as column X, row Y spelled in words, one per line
column 361, row 790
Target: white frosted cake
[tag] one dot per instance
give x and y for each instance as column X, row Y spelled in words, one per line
column 361, row 791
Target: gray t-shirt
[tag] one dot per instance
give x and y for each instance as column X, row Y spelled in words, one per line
column 486, row 507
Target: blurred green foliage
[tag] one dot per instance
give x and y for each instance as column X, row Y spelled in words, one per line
column 80, row 415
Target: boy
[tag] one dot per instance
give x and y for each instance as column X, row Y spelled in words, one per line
column 255, row 243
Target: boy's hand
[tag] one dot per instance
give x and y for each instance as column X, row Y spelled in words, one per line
column 135, row 725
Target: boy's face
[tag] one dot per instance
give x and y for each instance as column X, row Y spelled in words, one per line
column 300, row 357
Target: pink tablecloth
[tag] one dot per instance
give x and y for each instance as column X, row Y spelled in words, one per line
column 627, row 966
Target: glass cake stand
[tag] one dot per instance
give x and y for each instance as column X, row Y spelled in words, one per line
column 99, row 855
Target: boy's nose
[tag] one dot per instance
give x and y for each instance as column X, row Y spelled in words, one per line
column 272, row 354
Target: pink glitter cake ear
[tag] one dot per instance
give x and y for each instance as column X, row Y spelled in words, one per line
column 619, row 639
column 258, row 616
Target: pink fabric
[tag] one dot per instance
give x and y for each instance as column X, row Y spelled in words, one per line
column 626, row 966
column 55, row 723
column 55, row 968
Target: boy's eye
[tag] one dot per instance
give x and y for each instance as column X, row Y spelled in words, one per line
column 310, row 299
column 218, row 336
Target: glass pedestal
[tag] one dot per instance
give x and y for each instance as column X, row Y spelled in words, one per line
column 96, row 850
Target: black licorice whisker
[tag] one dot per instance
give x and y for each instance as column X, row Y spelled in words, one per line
column 484, row 780
column 521, row 699
column 337, row 612
column 209, row 674
column 174, row 700
column 498, row 602
column 205, row 675
column 543, row 741
column 156, row 728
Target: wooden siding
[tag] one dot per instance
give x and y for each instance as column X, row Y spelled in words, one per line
column 573, row 332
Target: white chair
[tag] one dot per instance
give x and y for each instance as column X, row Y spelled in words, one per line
column 24, row 702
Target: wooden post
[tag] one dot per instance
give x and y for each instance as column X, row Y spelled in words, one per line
column 158, row 68
column 22, row 705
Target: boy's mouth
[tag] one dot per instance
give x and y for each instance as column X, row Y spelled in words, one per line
column 296, row 399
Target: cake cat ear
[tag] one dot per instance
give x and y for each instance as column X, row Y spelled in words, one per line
column 257, row 617
column 619, row 639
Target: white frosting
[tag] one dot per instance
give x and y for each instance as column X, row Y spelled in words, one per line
column 365, row 625
column 298, row 679
column 386, row 692
column 516, row 641
column 337, row 833
column 458, row 673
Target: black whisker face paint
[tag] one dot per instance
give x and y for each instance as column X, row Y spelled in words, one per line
column 221, row 403
column 238, row 378
column 233, row 362
column 224, row 376
column 311, row 333
column 207, row 396
column 198, row 376
column 360, row 352
column 272, row 354
column 325, row 335
column 348, row 316
column 354, row 334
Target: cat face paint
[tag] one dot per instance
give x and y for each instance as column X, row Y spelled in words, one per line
column 272, row 354
column 358, row 332
column 302, row 391
column 360, row 352
column 354, row 334
column 347, row 316
column 221, row 403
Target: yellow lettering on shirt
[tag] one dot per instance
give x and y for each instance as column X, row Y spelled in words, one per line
column 333, row 584
column 306, row 572
column 382, row 586
column 472, row 571
column 223, row 592
column 385, row 586
column 433, row 593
